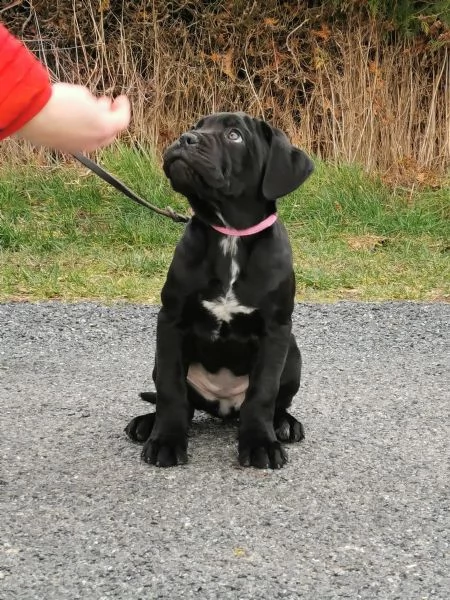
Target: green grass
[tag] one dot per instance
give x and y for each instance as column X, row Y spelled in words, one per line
column 65, row 234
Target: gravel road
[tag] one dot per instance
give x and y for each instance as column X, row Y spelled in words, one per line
column 360, row 511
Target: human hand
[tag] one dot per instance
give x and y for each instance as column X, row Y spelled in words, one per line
column 74, row 120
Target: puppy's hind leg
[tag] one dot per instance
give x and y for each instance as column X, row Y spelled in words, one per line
column 140, row 428
column 148, row 397
column 287, row 428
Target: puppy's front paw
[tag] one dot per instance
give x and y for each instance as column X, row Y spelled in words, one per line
column 165, row 452
column 262, row 454
column 287, row 428
column 140, row 428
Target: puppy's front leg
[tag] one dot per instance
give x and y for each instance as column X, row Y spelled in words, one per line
column 167, row 444
column 258, row 444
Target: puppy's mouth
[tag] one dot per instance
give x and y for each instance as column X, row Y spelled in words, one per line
column 191, row 171
column 198, row 185
column 177, row 170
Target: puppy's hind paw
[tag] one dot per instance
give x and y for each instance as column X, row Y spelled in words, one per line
column 287, row 428
column 140, row 428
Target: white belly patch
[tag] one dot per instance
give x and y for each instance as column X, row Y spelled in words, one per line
column 223, row 386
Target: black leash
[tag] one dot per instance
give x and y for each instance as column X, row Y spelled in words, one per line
column 100, row 171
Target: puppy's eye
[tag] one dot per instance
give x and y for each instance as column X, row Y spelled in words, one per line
column 234, row 136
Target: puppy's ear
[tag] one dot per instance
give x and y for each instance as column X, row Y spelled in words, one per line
column 287, row 167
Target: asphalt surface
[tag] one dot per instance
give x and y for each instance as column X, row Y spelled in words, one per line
column 360, row 511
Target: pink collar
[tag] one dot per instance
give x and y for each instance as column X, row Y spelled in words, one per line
column 270, row 220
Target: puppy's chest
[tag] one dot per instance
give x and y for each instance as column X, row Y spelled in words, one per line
column 221, row 299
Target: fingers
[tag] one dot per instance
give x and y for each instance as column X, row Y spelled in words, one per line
column 104, row 102
column 121, row 110
column 115, row 115
column 76, row 120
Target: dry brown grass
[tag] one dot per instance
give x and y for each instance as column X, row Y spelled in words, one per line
column 346, row 90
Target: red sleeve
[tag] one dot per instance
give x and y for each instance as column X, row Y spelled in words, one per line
column 24, row 84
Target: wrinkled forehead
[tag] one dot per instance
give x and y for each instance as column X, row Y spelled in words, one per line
column 220, row 121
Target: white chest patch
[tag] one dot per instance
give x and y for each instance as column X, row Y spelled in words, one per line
column 225, row 307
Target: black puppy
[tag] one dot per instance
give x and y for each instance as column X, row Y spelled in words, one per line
column 224, row 341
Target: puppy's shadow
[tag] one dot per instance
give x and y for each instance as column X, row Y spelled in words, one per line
column 213, row 442
column 208, row 426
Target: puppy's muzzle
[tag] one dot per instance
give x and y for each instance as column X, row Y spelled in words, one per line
column 188, row 139
column 193, row 153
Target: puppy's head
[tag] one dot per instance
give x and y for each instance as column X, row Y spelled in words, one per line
column 232, row 167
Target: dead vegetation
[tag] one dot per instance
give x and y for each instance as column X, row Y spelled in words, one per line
column 345, row 84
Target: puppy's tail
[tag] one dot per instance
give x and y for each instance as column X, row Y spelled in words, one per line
column 148, row 397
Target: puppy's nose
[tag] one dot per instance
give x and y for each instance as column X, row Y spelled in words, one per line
column 188, row 139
